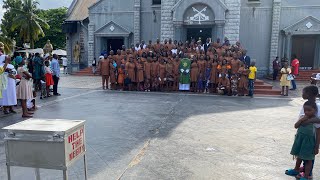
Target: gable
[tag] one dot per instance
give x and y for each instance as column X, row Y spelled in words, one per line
column 112, row 29
column 78, row 10
column 308, row 24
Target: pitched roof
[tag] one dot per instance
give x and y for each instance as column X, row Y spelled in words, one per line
column 78, row 10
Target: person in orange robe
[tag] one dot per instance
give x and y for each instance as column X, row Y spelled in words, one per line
column 155, row 74
column 176, row 73
column 118, row 57
column 194, row 73
column 169, row 74
column 139, row 75
column 235, row 64
column 113, row 72
column 214, row 75
column 224, row 85
column 162, row 74
column 243, row 79
column 130, row 73
column 121, row 74
column 147, row 74
column 104, row 69
column 202, row 64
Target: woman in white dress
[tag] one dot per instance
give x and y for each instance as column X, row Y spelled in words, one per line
column 9, row 96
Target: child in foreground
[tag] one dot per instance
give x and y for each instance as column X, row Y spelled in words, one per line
column 306, row 146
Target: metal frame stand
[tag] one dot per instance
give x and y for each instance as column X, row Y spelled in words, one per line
column 65, row 172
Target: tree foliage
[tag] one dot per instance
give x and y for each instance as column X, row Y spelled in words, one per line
column 7, row 20
column 8, row 44
column 28, row 23
column 24, row 22
column 55, row 18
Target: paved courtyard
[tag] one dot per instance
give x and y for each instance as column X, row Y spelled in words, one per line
column 146, row 136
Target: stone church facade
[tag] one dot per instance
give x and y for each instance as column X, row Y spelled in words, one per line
column 266, row 28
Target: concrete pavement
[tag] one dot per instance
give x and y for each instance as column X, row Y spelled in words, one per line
column 132, row 135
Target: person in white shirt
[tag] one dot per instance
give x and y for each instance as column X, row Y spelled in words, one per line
column 137, row 48
column 144, row 46
column 64, row 64
column 174, row 50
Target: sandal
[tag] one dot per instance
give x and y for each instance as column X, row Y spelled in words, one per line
column 291, row 172
column 302, row 176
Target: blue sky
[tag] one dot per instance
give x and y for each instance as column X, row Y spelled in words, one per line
column 44, row 4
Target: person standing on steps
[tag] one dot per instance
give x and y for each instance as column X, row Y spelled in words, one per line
column 276, row 68
column 295, row 64
column 55, row 74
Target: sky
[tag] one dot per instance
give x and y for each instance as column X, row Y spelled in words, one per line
column 44, row 4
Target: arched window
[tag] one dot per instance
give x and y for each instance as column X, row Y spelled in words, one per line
column 156, row 2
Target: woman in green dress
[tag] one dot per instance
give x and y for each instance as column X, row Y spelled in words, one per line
column 305, row 145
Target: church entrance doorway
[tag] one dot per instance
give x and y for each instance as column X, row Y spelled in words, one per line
column 199, row 33
column 304, row 47
column 115, row 44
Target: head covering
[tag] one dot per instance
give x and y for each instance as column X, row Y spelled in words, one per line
column 101, row 57
column 18, row 60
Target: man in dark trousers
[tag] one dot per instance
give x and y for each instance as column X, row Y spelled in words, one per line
column 245, row 59
column 276, row 68
column 207, row 45
column 55, row 74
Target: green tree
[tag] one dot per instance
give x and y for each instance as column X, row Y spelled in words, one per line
column 55, row 19
column 7, row 20
column 27, row 21
column 8, row 43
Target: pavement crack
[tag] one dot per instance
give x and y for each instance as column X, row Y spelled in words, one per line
column 137, row 159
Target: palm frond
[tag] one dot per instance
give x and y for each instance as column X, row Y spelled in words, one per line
column 30, row 26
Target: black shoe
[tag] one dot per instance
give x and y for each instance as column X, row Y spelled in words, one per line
column 57, row 94
column 292, row 89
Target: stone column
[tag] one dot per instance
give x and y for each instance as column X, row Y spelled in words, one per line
column 232, row 26
column 178, row 32
column 136, row 23
column 126, row 42
column 289, row 46
column 275, row 32
column 91, row 45
column 69, row 52
column 167, row 30
column 219, row 32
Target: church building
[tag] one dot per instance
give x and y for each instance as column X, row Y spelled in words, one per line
column 266, row 28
